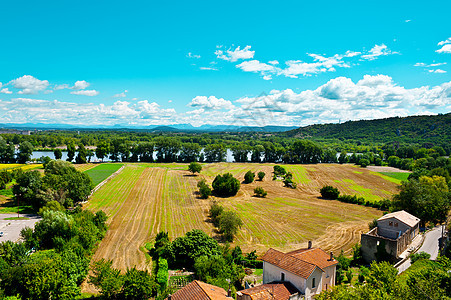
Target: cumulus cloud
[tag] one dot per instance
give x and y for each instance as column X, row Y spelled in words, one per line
column 121, row 95
column 376, row 51
column 210, row 103
column 420, row 64
column 440, row 71
column 89, row 93
column 341, row 98
column 28, row 84
column 234, row 55
column 80, row 85
column 5, row 91
column 61, row 86
column 295, row 68
column 446, row 46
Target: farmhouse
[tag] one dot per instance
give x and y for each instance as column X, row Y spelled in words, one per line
column 198, row 290
column 396, row 230
column 299, row 274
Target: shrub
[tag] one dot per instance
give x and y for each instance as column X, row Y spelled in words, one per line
column 204, row 189
column 215, row 212
column 162, row 274
column 261, row 175
column 195, row 167
column 364, row 162
column 417, row 256
column 279, row 170
column 229, row 223
column 260, row 192
column 329, row 192
column 372, row 224
column 226, row 185
column 249, row 177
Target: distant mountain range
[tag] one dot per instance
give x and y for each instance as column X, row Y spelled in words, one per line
column 151, row 128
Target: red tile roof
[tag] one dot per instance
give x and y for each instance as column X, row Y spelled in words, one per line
column 289, row 263
column 272, row 291
column 315, row 256
column 198, row 290
column 301, row 262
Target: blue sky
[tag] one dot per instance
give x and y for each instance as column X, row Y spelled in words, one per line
column 244, row 63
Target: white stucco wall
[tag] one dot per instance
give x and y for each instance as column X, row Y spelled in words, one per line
column 273, row 273
column 329, row 277
column 309, row 290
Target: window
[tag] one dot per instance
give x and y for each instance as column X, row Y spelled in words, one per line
column 313, row 283
column 282, row 276
column 390, row 223
column 396, row 224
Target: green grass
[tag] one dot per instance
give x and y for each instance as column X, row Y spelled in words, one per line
column 17, row 218
column 9, row 208
column 258, row 272
column 397, row 175
column 299, row 173
column 7, row 192
column 102, row 172
column 361, row 191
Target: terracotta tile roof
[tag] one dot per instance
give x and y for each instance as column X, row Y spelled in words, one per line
column 271, row 291
column 316, row 256
column 289, row 263
column 198, row 290
column 402, row 216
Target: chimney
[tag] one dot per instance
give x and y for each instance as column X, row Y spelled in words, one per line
column 229, row 293
column 309, row 245
column 331, row 256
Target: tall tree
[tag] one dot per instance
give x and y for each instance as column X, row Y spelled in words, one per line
column 25, row 152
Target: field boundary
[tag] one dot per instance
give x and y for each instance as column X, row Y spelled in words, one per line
column 104, row 182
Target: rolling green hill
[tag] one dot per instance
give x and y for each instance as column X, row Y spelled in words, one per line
column 415, row 129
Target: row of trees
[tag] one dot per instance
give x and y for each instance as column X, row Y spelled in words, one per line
column 8, row 152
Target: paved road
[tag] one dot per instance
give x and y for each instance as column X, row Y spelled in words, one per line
column 11, row 228
column 430, row 245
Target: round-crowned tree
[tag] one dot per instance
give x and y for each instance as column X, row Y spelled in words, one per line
column 249, row 177
column 225, row 185
column 329, row 192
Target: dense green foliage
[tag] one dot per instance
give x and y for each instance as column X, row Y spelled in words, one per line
column 195, row 167
column 225, row 185
column 227, row 222
column 204, row 189
column 249, row 177
column 329, row 192
column 261, row 175
column 64, row 242
column 61, row 182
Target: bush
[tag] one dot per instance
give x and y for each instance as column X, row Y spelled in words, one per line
column 364, row 162
column 261, row 175
column 229, row 223
column 249, row 177
column 329, row 192
column 372, row 224
column 279, row 171
column 226, row 185
column 204, row 189
column 195, row 167
column 417, row 256
column 162, row 274
column 260, row 192
column 215, row 212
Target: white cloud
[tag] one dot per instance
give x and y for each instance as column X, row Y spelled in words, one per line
column 273, row 62
column 420, row 64
column 437, row 71
column 208, row 68
column 255, row 66
column 191, row 55
column 121, row 95
column 210, row 103
column 61, row 87
column 5, row 91
column 28, row 84
column 85, row 92
column 445, row 49
column 407, row 21
column 340, row 98
column 376, row 51
column 80, row 85
column 234, row 55
column 447, row 41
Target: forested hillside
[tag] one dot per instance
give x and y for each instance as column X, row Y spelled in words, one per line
column 414, row 129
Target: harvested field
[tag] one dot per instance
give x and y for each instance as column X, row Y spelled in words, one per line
column 146, row 198
column 141, row 201
column 84, row 167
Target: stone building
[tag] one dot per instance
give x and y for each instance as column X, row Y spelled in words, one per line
column 396, row 230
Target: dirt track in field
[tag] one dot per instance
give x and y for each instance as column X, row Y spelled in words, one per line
column 143, row 200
